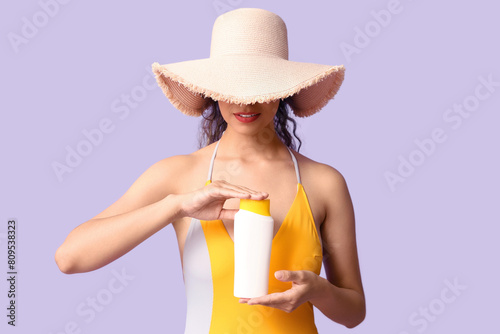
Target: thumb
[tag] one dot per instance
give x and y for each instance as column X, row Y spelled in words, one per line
column 283, row 275
column 228, row 214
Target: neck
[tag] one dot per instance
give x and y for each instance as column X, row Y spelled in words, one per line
column 249, row 146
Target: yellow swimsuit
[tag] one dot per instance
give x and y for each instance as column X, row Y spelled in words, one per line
column 208, row 269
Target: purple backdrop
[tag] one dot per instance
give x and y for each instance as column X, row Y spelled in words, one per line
column 413, row 130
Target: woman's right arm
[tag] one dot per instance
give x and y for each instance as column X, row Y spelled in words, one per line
column 149, row 205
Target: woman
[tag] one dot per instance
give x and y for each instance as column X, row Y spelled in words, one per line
column 244, row 91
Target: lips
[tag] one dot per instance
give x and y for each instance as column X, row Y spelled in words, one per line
column 246, row 117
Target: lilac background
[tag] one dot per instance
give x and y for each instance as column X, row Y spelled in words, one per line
column 440, row 224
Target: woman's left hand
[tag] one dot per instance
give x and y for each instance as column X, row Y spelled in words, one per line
column 305, row 286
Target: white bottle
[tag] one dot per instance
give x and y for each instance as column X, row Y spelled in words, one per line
column 253, row 237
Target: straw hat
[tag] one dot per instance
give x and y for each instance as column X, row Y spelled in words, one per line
column 248, row 63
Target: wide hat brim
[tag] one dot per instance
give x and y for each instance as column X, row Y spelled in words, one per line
column 248, row 79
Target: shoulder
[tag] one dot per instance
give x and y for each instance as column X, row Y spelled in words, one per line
column 182, row 161
column 322, row 175
column 325, row 186
column 173, row 172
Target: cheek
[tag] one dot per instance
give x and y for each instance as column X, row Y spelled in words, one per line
column 268, row 113
column 271, row 111
column 225, row 114
column 269, row 116
column 225, row 110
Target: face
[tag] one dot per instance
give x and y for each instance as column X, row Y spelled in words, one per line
column 249, row 118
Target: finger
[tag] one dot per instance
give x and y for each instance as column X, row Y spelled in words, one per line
column 260, row 195
column 246, row 195
column 224, row 184
column 252, row 193
column 282, row 275
column 244, row 300
column 228, row 214
column 272, row 299
column 289, row 276
column 227, row 193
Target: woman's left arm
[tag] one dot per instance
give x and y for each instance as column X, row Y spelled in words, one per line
column 340, row 297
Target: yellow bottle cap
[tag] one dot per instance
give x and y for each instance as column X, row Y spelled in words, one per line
column 261, row 207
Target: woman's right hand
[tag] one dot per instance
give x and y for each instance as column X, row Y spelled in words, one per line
column 207, row 203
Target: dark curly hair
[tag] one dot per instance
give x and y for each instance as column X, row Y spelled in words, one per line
column 213, row 125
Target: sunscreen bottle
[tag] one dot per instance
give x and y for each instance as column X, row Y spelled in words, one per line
column 253, row 237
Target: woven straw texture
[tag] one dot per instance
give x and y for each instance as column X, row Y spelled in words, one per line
column 248, row 63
